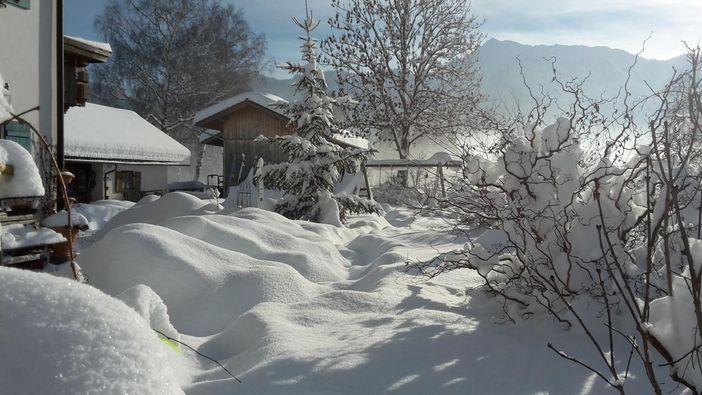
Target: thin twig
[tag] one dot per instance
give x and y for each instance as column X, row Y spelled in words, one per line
column 198, row 353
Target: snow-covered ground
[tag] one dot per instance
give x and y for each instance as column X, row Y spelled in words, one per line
column 289, row 307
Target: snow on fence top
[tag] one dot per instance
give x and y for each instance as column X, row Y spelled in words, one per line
column 439, row 158
column 110, row 134
column 18, row 236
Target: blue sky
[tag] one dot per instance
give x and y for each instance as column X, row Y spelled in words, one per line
column 622, row 24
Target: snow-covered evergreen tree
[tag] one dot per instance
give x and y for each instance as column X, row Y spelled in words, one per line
column 315, row 161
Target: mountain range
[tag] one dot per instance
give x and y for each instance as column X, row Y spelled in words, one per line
column 605, row 70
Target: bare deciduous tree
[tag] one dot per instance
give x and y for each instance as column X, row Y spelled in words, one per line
column 173, row 58
column 410, row 63
column 597, row 208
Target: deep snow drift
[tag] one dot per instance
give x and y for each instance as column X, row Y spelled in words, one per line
column 100, row 212
column 293, row 307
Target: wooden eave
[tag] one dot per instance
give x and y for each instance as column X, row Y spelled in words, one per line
column 216, row 121
column 85, row 51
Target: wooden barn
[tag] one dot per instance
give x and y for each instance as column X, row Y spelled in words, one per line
column 236, row 122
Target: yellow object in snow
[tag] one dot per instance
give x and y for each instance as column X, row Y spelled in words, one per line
column 169, row 342
column 7, row 169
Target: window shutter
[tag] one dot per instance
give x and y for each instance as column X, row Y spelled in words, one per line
column 136, row 186
column 119, row 182
column 20, row 134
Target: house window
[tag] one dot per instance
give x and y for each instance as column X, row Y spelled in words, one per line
column 127, row 181
column 19, row 3
column 19, row 133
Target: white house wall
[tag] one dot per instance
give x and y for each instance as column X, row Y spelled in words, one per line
column 99, row 188
column 28, row 61
column 153, row 177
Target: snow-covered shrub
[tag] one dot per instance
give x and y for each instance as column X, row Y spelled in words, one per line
column 596, row 208
column 395, row 194
column 315, row 161
column 543, row 198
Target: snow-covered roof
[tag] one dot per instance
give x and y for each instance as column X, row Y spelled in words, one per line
column 95, row 44
column 91, row 51
column 352, row 141
column 209, row 134
column 266, row 100
column 106, row 133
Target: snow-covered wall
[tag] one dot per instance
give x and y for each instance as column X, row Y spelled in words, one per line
column 28, row 61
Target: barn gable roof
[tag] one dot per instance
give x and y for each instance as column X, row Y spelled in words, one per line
column 213, row 116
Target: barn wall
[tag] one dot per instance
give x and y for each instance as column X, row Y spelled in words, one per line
column 250, row 122
column 240, row 129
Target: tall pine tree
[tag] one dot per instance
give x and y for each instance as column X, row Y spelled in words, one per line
column 315, row 161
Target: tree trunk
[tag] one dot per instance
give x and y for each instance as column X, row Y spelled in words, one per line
column 402, row 175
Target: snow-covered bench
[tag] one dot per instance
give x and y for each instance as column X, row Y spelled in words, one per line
column 22, row 242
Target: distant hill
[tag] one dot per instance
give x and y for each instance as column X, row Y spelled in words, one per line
column 605, row 70
column 606, row 67
column 284, row 88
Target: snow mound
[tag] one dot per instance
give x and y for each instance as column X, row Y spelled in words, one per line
column 317, row 260
column 302, row 229
column 150, row 307
column 172, row 205
column 62, row 337
column 147, row 199
column 270, row 330
column 99, row 213
column 26, row 180
column 205, row 287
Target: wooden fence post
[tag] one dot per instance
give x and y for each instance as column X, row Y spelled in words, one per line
column 440, row 170
column 259, row 182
